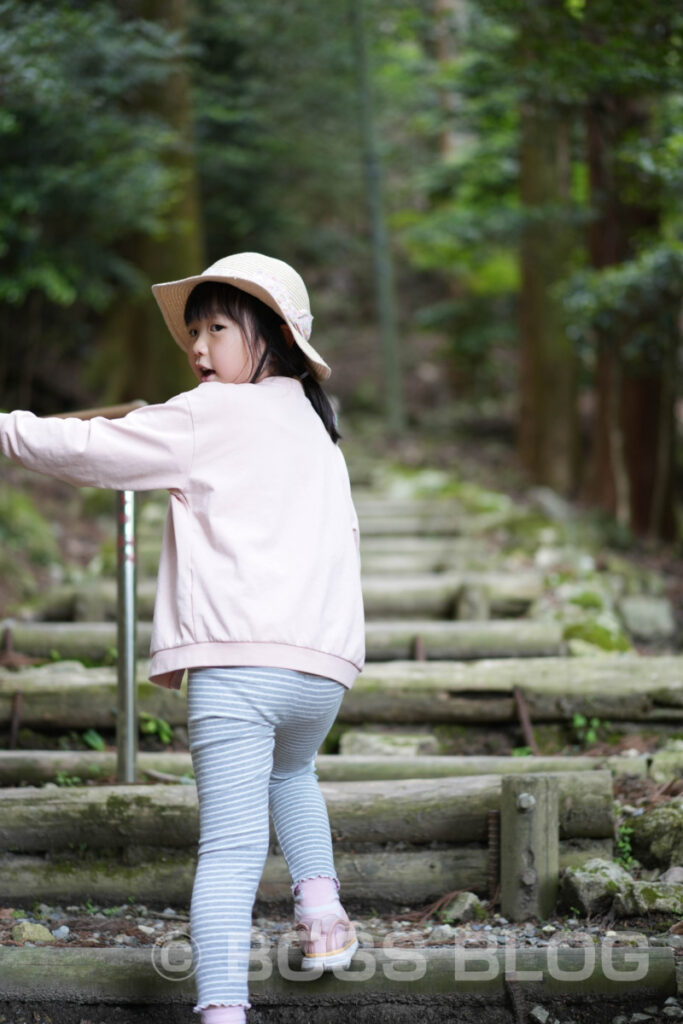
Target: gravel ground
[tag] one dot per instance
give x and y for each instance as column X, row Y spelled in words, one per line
column 137, row 925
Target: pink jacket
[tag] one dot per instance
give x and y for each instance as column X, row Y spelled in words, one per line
column 260, row 559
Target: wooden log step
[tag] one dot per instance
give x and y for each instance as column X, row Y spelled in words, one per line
column 383, row 984
column 385, row 640
column 162, row 876
column 416, row 811
column 35, row 767
column 425, row 595
column 618, row 688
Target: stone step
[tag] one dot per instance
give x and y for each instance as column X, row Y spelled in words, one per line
column 385, row 640
column 471, row 986
column 620, row 688
column 424, row 595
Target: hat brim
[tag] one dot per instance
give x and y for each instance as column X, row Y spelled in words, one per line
column 172, row 296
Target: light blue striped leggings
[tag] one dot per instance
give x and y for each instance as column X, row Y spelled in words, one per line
column 254, row 733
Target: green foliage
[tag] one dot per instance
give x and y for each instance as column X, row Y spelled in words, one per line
column 93, row 739
column 585, row 729
column 588, row 599
column 23, row 528
column 80, row 167
column 522, row 752
column 26, row 542
column 85, row 168
column 634, row 305
column 596, row 633
column 88, row 174
column 151, row 726
column 624, row 854
column 62, row 778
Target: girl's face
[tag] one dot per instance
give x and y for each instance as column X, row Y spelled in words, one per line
column 218, row 350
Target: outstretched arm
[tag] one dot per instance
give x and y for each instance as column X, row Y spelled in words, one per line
column 150, row 448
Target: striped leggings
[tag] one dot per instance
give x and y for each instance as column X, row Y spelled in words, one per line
column 253, row 733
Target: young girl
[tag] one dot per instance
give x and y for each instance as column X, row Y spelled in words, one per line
column 258, row 597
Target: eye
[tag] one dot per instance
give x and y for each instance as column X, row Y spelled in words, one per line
column 216, row 327
column 192, row 332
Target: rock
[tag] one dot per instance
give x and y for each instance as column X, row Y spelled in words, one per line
column 578, row 648
column 539, row 1015
column 667, row 939
column 657, row 838
column 372, row 743
column 441, row 933
column 673, row 876
column 647, row 617
column 25, row 931
column 666, row 764
column 580, row 562
column 646, row 897
column 62, row 932
column 465, row 907
column 672, row 1012
column 550, row 503
column 592, row 887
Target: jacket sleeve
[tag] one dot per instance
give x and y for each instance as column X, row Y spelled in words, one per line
column 150, row 448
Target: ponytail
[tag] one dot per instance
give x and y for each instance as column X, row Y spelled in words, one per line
column 321, row 403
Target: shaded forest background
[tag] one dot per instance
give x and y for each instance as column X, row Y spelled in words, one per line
column 483, row 196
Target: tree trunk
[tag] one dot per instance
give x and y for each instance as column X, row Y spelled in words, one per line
column 381, row 247
column 139, row 358
column 548, row 421
column 631, row 469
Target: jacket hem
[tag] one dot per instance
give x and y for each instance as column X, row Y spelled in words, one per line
column 167, row 667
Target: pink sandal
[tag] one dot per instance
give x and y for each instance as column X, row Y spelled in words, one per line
column 326, row 936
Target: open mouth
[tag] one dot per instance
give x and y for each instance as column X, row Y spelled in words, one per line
column 205, row 373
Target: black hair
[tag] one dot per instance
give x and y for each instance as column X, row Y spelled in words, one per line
column 257, row 320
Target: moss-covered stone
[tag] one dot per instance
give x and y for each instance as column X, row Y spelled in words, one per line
column 657, row 839
column 597, row 633
column 593, row 887
column 649, row 897
column 26, row 931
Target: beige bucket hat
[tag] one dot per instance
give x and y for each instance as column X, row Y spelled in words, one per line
column 272, row 281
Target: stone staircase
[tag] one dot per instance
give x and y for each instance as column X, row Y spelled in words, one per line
column 465, row 653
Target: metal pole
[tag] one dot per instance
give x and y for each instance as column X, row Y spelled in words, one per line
column 126, row 711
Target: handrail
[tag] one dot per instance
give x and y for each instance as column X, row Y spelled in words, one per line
column 126, row 619
column 110, row 412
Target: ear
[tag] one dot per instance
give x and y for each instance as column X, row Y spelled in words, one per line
column 288, row 336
